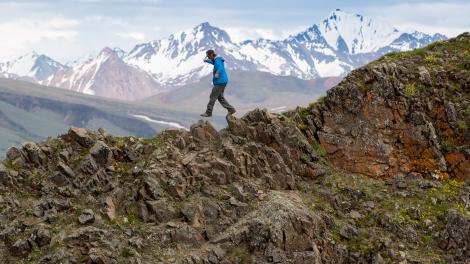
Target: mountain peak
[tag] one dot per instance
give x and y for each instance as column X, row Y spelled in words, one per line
column 108, row 52
column 204, row 25
column 207, row 28
column 339, row 14
column 202, row 34
column 354, row 33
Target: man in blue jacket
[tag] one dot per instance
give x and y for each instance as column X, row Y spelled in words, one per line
column 220, row 81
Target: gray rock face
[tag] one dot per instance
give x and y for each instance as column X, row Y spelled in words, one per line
column 187, row 235
column 455, row 238
column 66, row 170
column 34, row 153
column 80, row 135
column 101, row 153
column 390, row 117
column 87, row 216
column 424, row 75
column 4, row 175
column 21, row 247
column 43, row 237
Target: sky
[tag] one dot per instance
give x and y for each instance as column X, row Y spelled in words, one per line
column 71, row 29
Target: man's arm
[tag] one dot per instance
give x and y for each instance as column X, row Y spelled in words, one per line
column 207, row 60
column 216, row 69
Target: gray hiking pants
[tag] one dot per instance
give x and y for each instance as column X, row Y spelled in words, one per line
column 218, row 94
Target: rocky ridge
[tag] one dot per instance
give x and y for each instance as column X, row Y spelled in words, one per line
column 406, row 113
column 270, row 188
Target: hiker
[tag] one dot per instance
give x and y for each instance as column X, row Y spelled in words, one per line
column 219, row 81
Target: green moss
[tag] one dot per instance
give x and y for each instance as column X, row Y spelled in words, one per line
column 84, row 151
column 417, row 52
column 239, row 255
column 462, row 125
column 9, row 165
column 456, row 86
column 118, row 142
column 302, row 127
column 362, row 88
column 158, row 141
column 304, row 112
column 419, row 210
column 404, row 54
column 410, row 89
column 448, row 146
column 435, row 45
column 468, row 109
column 320, row 100
column 430, row 59
column 132, row 216
column 305, row 158
column 34, row 255
column 319, row 149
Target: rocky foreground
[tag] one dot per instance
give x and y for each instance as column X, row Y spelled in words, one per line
column 376, row 172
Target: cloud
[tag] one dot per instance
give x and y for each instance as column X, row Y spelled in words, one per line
column 22, row 34
column 449, row 18
column 239, row 34
column 133, row 35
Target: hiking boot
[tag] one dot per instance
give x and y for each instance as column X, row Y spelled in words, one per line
column 206, row 114
column 231, row 111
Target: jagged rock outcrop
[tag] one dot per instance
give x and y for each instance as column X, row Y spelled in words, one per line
column 263, row 190
column 405, row 113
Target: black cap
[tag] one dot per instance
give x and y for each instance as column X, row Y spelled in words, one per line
column 210, row 52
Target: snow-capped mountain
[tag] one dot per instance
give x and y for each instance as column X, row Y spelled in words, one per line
column 408, row 41
column 338, row 44
column 30, row 66
column 331, row 48
column 353, row 33
column 177, row 60
column 106, row 75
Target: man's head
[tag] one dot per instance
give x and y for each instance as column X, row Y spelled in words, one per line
column 211, row 54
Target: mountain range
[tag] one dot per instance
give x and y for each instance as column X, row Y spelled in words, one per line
column 378, row 171
column 331, row 48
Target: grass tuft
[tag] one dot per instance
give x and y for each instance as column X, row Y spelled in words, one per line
column 410, row 89
column 462, row 125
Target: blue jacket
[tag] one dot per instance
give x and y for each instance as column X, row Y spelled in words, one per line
column 219, row 67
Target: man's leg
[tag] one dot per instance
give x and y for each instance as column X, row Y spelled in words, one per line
column 224, row 102
column 216, row 90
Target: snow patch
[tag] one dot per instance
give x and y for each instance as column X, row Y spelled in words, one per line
column 171, row 124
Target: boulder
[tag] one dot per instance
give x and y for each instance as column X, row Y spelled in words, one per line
column 42, row 236
column 34, row 154
column 66, row 170
column 455, row 238
column 4, row 175
column 110, row 208
column 204, row 132
column 21, row 247
column 81, row 136
column 424, row 75
column 162, row 210
column 101, row 153
column 88, row 165
column 59, row 178
column 86, row 217
column 187, row 235
column 15, row 156
column 152, row 188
